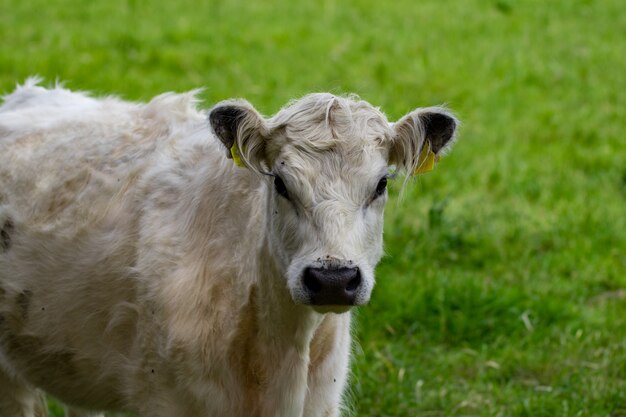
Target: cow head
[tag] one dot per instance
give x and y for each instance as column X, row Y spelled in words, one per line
column 326, row 162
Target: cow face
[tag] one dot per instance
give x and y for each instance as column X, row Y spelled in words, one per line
column 326, row 163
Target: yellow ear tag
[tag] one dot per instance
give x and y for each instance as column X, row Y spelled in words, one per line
column 426, row 161
column 234, row 152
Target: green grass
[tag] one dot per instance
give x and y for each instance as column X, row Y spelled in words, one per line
column 503, row 293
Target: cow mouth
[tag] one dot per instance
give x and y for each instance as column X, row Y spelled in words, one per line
column 335, row 309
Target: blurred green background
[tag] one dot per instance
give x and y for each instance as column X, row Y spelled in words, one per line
column 504, row 289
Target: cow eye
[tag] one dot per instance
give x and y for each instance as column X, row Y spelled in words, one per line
column 381, row 187
column 279, row 185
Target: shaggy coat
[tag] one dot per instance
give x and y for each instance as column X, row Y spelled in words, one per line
column 143, row 270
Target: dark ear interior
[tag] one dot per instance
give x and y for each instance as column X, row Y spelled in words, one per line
column 225, row 121
column 432, row 127
column 439, row 129
column 237, row 122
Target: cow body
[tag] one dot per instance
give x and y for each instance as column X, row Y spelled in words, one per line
column 140, row 269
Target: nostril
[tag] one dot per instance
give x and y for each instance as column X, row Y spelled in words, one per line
column 354, row 283
column 311, row 282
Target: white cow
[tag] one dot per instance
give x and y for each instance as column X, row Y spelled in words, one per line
column 142, row 269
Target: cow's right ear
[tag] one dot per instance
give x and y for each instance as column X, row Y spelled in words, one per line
column 242, row 131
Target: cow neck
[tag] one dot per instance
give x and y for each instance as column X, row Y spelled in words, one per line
column 276, row 312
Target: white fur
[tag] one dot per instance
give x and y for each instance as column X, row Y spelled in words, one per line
column 141, row 270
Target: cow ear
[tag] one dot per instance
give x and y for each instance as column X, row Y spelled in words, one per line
column 242, row 131
column 421, row 137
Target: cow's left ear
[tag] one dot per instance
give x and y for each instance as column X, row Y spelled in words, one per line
column 242, row 131
column 421, row 137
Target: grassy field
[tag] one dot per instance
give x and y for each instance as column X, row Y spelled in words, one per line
column 504, row 289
